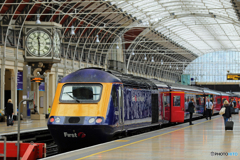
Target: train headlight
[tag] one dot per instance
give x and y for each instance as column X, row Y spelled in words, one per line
column 98, row 120
column 57, row 120
column 51, row 120
column 91, row 120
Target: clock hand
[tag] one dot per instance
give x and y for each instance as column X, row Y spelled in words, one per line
column 38, row 46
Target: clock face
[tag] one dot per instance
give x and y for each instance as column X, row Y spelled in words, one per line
column 39, row 43
column 56, row 44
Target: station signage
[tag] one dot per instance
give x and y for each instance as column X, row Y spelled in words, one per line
column 20, row 81
column 233, row 76
column 37, row 79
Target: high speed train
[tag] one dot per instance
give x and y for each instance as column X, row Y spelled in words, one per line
column 92, row 105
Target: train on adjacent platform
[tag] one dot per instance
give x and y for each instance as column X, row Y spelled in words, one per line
column 93, row 105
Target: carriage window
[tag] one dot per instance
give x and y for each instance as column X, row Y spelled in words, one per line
column 223, row 100
column 77, row 93
column 218, row 101
column 176, row 101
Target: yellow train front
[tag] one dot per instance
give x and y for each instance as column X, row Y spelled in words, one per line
column 80, row 112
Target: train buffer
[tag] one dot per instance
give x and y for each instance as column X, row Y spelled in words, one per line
column 28, row 151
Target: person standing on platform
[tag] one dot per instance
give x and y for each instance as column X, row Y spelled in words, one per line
column 191, row 110
column 208, row 109
column 9, row 110
column 234, row 103
column 227, row 113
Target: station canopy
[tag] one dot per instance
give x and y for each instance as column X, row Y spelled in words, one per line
column 202, row 26
column 158, row 38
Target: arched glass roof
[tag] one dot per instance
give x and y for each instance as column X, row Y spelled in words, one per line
column 213, row 67
column 202, row 26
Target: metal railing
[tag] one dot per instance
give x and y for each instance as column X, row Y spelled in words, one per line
column 18, row 137
column 4, row 148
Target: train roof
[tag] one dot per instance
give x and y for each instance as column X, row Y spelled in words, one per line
column 159, row 84
column 224, row 94
column 101, row 76
column 207, row 90
column 129, row 80
column 90, row 75
column 184, row 87
column 233, row 94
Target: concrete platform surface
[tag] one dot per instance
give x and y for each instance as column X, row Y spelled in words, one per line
column 203, row 140
column 24, row 127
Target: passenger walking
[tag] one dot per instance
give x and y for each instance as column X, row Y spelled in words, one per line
column 227, row 113
column 191, row 110
column 208, row 109
column 9, row 110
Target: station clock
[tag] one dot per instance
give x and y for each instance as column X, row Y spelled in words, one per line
column 42, row 42
column 42, row 46
column 39, row 43
column 56, row 44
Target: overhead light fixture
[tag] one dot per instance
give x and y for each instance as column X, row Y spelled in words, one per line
column 117, row 46
column 170, row 66
column 38, row 19
column 177, row 67
column 97, row 40
column 72, row 31
column 145, row 58
column 133, row 53
column 161, row 62
column 152, row 59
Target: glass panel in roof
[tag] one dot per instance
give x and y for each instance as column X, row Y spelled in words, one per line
column 213, row 67
column 201, row 20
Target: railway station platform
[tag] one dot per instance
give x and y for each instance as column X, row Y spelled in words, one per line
column 35, row 125
column 206, row 139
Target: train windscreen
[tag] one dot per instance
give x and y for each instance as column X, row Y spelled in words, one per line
column 77, row 93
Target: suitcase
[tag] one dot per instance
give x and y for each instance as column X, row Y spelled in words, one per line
column 229, row 125
column 10, row 121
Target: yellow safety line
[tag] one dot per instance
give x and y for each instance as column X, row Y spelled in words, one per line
column 142, row 140
column 121, row 140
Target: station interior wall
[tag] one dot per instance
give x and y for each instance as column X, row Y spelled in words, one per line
column 20, row 92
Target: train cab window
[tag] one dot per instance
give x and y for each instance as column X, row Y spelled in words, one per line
column 176, row 101
column 77, row 93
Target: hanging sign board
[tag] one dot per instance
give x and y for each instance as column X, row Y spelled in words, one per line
column 42, row 87
column 37, row 79
column 233, row 76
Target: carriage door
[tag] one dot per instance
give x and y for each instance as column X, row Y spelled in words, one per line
column 155, row 109
column 177, row 107
column 121, row 105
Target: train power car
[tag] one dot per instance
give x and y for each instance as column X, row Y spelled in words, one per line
column 92, row 105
